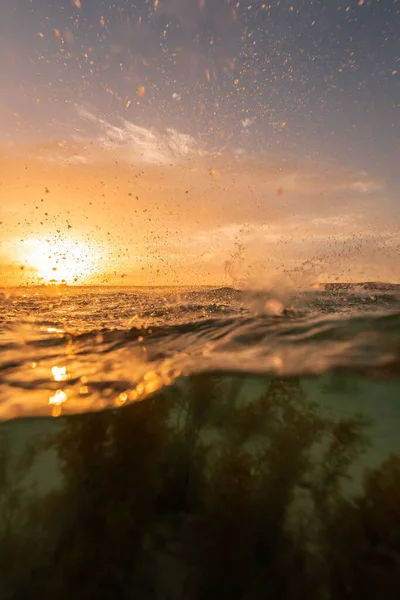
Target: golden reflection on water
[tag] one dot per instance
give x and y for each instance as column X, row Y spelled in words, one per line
column 56, row 401
column 151, row 382
column 277, row 363
column 60, row 373
column 54, row 330
column 122, row 398
column 58, row 398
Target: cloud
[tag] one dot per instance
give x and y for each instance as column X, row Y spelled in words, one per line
column 293, row 179
column 186, row 218
column 366, row 186
column 318, row 177
column 137, row 144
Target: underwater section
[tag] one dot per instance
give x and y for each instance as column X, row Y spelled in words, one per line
column 220, row 486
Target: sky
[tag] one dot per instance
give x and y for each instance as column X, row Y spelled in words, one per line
column 187, row 142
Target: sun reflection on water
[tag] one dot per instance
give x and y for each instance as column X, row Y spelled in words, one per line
column 149, row 384
column 56, row 401
column 60, row 373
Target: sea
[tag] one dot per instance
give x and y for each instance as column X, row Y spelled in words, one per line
column 200, row 443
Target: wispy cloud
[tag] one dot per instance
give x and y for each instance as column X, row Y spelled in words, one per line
column 366, row 186
column 191, row 216
column 137, row 144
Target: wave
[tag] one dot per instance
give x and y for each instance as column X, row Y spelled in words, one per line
column 91, row 369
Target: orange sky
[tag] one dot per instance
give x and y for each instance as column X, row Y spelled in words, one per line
column 182, row 142
column 158, row 210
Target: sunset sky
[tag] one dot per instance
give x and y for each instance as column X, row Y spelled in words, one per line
column 180, row 142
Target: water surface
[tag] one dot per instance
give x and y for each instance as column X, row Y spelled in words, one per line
column 200, row 444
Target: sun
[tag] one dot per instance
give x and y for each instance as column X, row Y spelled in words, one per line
column 60, row 261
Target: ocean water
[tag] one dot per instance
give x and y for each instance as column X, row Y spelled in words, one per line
column 200, row 443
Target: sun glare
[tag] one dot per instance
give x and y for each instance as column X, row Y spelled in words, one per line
column 61, row 261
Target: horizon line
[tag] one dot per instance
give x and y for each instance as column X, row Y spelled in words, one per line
column 208, row 286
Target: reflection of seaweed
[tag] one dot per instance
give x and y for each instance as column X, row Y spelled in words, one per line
column 200, row 492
